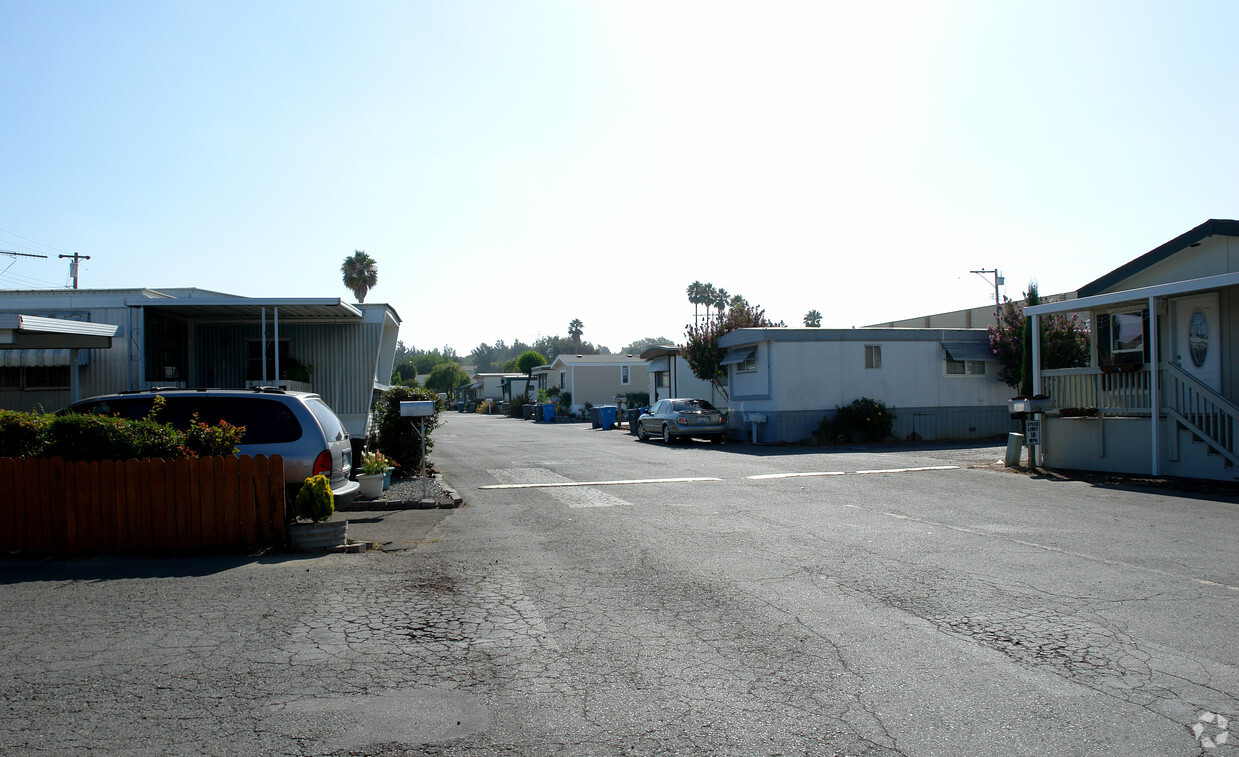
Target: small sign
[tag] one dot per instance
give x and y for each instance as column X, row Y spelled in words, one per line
column 1032, row 433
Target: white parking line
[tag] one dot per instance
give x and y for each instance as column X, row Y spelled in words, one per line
column 769, row 476
column 560, row 484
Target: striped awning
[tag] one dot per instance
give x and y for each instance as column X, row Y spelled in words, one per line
column 968, row 351
column 737, row 356
column 40, row 358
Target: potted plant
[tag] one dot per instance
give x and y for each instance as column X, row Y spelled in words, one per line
column 313, row 506
column 373, row 470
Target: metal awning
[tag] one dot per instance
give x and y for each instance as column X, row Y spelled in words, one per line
column 236, row 308
column 41, row 358
column 659, row 365
column 34, row 332
column 967, row 351
column 735, row 357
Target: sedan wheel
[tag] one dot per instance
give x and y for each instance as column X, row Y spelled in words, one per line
column 666, row 434
column 641, row 432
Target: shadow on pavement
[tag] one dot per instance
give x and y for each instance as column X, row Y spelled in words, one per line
column 113, row 568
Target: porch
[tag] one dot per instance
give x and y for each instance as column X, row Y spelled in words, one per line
column 1102, row 420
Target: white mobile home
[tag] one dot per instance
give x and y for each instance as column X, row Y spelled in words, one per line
column 198, row 338
column 939, row 383
column 1160, row 397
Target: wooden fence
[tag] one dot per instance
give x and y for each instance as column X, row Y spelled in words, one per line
column 48, row 506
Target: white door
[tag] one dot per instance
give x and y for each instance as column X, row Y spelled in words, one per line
column 1198, row 338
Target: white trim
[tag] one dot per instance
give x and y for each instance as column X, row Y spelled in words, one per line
column 1134, row 295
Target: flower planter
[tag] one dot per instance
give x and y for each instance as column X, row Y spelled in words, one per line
column 371, row 484
column 305, row 537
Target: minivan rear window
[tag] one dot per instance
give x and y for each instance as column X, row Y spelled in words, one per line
column 266, row 421
column 332, row 428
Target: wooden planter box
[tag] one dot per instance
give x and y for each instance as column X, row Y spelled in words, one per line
column 48, row 506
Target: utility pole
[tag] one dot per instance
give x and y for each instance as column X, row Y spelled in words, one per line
column 73, row 265
column 998, row 280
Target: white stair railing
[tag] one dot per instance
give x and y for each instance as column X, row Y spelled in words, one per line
column 1207, row 414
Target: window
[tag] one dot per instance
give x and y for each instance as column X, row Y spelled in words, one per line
column 623, row 374
column 253, row 359
column 562, row 379
column 965, row 367
column 1127, row 332
column 10, row 378
column 873, row 356
column 55, row 377
column 749, row 364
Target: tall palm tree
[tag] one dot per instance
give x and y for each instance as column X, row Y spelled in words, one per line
column 575, row 329
column 361, row 273
column 695, row 291
column 813, row 319
column 721, row 300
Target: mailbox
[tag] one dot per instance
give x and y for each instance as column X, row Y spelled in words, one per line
column 417, row 408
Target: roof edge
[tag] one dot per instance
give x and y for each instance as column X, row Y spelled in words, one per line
column 1212, row 227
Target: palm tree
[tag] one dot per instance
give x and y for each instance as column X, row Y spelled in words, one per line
column 695, row 291
column 575, row 329
column 721, row 300
column 813, row 319
column 361, row 273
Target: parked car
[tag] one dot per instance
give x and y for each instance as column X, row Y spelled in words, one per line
column 682, row 418
column 296, row 425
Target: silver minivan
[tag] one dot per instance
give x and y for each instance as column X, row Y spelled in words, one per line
column 297, row 425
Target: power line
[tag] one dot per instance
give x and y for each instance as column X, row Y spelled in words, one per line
column 31, row 241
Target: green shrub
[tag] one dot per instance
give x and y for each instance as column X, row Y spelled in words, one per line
column 865, row 420
column 22, row 434
column 74, row 436
column 314, row 501
column 637, row 399
column 398, row 437
column 204, row 440
column 515, row 408
column 93, row 437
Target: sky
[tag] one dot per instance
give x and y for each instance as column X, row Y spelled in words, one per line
column 514, row 166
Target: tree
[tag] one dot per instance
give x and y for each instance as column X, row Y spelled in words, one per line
column 696, row 295
column 813, row 319
column 701, row 349
column 721, row 300
column 528, row 360
column 575, row 329
column 641, row 345
column 1064, row 341
column 361, row 274
column 446, row 376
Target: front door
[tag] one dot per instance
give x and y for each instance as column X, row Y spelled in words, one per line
column 1198, row 338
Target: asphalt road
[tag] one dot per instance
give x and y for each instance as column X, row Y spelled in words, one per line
column 906, row 601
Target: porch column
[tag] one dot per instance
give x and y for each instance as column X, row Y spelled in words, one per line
column 1155, row 399
column 275, row 317
column 262, row 338
column 75, row 388
column 1039, row 460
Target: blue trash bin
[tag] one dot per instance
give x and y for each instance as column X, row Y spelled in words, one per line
column 548, row 412
column 606, row 416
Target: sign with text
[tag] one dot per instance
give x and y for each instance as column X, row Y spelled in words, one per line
column 1032, row 433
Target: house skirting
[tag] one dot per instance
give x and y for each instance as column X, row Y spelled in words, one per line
column 1124, row 445
column 942, row 423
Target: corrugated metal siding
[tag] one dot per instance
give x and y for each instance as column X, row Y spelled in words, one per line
column 343, row 355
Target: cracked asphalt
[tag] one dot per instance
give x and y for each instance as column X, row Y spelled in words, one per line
column 963, row 610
